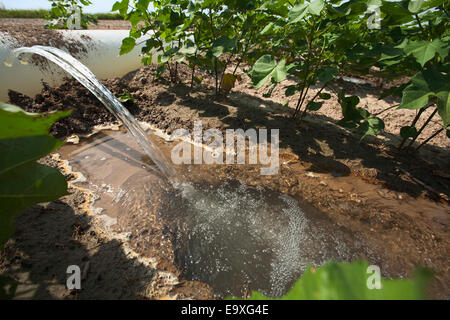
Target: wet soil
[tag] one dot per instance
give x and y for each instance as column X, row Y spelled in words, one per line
column 235, row 237
column 396, row 202
column 53, row 236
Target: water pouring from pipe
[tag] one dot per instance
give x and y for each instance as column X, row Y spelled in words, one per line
column 81, row 73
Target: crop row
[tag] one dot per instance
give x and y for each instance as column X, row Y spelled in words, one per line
column 312, row 42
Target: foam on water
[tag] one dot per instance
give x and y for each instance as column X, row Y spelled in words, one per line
column 231, row 235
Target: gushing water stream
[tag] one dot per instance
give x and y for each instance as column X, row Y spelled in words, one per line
column 88, row 79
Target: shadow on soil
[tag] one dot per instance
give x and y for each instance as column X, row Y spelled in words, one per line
column 330, row 148
column 317, row 140
column 65, row 239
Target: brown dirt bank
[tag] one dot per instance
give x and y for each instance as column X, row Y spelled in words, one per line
column 360, row 186
column 30, row 32
column 29, row 35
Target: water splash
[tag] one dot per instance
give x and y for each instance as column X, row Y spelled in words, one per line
column 88, row 79
column 235, row 237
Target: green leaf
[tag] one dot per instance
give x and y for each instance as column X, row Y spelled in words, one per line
column 425, row 85
column 316, row 7
column 265, row 68
column 374, row 3
column 169, row 54
column 135, row 17
column 121, row 6
column 325, row 96
column 371, row 126
column 314, row 106
column 23, row 187
column 188, row 49
column 279, row 74
column 291, row 90
column 135, row 33
column 348, row 106
column 15, row 122
column 390, row 52
column 395, row 13
column 128, row 45
column 268, row 28
column 395, row 91
column 444, row 106
column 327, row 74
column 126, row 97
column 160, row 70
column 408, row 132
column 142, row 5
column 24, row 138
column 416, row 95
column 414, row 6
column 222, row 45
column 349, row 281
column 424, row 51
column 298, row 12
column 18, row 151
column 341, row 11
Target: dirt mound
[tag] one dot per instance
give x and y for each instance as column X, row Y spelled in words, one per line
column 88, row 111
column 31, row 35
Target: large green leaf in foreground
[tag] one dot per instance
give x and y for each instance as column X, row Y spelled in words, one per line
column 266, row 68
column 424, row 51
column 25, row 138
column 348, row 281
column 428, row 84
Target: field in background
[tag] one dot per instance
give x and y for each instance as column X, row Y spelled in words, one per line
column 41, row 14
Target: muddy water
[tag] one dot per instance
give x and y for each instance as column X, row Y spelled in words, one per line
column 232, row 236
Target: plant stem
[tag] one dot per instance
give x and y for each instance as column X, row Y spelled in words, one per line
column 298, row 102
column 196, row 39
column 314, row 98
column 237, row 66
column 176, row 72
column 387, row 109
column 211, row 23
column 412, row 125
column 445, row 11
column 303, row 101
column 193, row 76
column 431, row 137
column 216, row 76
column 423, row 127
column 301, row 98
column 418, row 21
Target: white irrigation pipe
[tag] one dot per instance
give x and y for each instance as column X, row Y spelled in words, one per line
column 103, row 47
